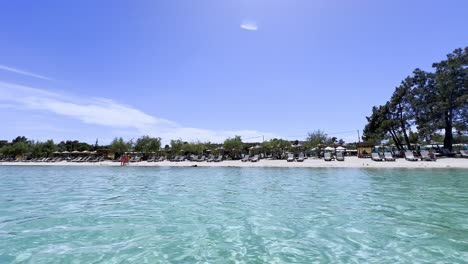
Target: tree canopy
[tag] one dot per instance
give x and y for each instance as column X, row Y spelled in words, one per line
column 425, row 101
column 119, row 146
column 147, row 144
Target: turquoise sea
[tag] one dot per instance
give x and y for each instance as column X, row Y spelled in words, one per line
column 232, row 215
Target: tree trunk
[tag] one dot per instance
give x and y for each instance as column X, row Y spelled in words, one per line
column 405, row 135
column 396, row 139
column 448, row 139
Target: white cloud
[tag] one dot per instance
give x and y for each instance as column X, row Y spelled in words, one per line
column 249, row 25
column 106, row 112
column 25, row 73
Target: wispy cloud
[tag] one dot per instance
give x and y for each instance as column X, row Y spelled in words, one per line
column 249, row 25
column 25, row 73
column 106, row 112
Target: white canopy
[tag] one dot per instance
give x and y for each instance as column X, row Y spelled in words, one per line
column 340, row 148
column 329, row 148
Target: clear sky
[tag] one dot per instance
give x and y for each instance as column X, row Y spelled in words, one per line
column 209, row 69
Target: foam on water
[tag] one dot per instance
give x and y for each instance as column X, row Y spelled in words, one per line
column 232, row 215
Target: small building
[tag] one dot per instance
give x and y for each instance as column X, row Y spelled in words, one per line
column 364, row 149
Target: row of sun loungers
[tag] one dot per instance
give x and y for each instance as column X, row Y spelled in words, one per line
column 409, row 156
column 300, row 157
column 87, row 159
column 56, row 159
column 210, row 158
column 156, row 159
column 246, row 158
column 339, row 156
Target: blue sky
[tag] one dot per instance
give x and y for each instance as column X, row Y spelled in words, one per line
column 208, row 70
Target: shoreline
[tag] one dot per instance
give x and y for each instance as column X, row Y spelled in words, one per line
column 350, row 162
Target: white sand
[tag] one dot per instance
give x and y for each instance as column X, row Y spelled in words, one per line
column 350, row 162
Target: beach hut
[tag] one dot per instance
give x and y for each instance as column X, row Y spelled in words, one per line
column 364, row 149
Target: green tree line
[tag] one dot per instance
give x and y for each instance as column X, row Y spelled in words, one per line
column 148, row 146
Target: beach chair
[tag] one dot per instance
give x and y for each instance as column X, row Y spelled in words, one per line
column 327, row 156
column 218, row 159
column 290, row 157
column 447, row 153
column 300, row 158
column 375, row 156
column 255, row 158
column 388, row 156
column 425, row 156
column 182, row 158
column 464, row 153
column 245, row 159
column 339, row 156
column 409, row 156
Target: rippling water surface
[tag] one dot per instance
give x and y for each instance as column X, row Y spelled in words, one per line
column 232, row 215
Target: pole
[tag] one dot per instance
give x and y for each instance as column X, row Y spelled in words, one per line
column 358, row 137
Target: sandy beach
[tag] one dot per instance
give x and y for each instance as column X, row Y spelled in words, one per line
column 350, row 162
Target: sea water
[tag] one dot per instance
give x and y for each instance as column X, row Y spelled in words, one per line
column 232, row 215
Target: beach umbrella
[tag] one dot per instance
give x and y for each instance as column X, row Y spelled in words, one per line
column 340, row 148
column 65, row 152
column 329, row 149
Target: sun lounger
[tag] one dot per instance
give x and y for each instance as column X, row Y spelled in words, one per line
column 376, row 156
column 327, row 156
column 464, row 153
column 255, row 158
column 409, row 156
column 388, row 156
column 339, row 156
column 300, row 158
column 447, row 153
column 181, row 158
column 425, row 156
column 246, row 158
column 86, row 159
column 290, row 157
column 218, row 159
